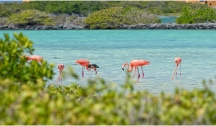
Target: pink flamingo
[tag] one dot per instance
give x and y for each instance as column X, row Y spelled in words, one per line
column 135, row 64
column 60, row 67
column 177, row 61
column 85, row 64
column 34, row 57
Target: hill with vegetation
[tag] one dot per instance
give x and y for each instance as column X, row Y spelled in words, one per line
column 83, row 8
column 83, row 13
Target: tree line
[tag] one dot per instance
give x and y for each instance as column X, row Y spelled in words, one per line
column 102, row 14
column 84, row 8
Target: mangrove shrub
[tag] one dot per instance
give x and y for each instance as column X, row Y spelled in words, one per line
column 191, row 15
column 107, row 18
column 101, row 103
column 115, row 16
column 86, row 7
column 30, row 17
column 14, row 65
column 135, row 16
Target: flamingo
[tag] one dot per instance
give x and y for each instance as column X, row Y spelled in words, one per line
column 60, row 67
column 34, row 57
column 93, row 66
column 135, row 64
column 177, row 61
column 85, row 64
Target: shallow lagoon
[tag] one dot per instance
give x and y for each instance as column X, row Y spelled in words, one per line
column 109, row 49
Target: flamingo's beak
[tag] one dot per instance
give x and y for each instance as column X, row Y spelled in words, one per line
column 123, row 69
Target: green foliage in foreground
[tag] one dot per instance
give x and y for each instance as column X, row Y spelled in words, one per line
column 34, row 103
column 191, row 15
column 30, row 17
column 102, row 103
column 13, row 63
column 115, row 16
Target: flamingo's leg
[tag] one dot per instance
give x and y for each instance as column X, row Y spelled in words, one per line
column 60, row 79
column 142, row 72
column 82, row 72
column 138, row 74
column 57, row 81
column 180, row 71
column 95, row 70
column 61, row 76
column 134, row 71
column 174, row 71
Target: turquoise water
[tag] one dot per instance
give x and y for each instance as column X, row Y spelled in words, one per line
column 109, row 49
column 165, row 20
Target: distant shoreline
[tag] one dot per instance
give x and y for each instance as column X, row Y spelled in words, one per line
column 169, row 26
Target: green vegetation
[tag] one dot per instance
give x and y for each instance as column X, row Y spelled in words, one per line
column 26, row 100
column 13, row 63
column 108, row 18
column 86, row 7
column 3, row 21
column 68, row 19
column 30, row 17
column 144, row 13
column 6, row 10
column 196, row 15
column 135, row 16
column 115, row 16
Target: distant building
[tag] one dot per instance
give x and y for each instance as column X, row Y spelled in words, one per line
column 210, row 3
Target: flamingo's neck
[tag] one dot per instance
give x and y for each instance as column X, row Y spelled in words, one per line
column 129, row 67
column 87, row 68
